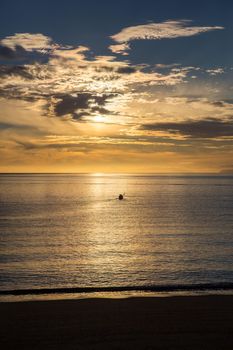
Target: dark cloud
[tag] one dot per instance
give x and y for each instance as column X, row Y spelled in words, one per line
column 218, row 103
column 79, row 147
column 81, row 105
column 207, row 128
column 104, row 69
column 221, row 103
column 7, row 53
column 119, row 70
column 126, row 70
column 228, row 100
column 21, row 129
column 9, row 92
column 69, row 104
column 15, row 70
column 19, row 54
column 5, row 126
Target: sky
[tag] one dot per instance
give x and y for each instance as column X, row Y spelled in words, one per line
column 116, row 86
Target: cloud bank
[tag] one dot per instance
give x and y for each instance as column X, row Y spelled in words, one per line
column 207, row 128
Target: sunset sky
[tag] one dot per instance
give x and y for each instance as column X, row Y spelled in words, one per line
column 116, row 86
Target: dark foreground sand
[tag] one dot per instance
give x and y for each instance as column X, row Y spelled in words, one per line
column 203, row 322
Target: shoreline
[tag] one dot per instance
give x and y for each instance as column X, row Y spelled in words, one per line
column 177, row 322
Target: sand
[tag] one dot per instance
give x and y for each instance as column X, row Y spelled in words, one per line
column 192, row 322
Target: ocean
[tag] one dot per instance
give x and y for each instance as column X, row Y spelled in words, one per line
column 70, row 233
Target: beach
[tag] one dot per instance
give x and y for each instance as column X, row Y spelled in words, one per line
column 177, row 322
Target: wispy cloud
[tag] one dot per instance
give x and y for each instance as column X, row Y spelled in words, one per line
column 156, row 31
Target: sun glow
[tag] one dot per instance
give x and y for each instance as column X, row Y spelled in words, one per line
column 99, row 119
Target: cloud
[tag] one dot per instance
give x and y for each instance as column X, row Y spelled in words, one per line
column 69, row 53
column 74, row 83
column 207, row 128
column 156, row 31
column 166, row 66
column 73, row 107
column 7, row 53
column 126, row 70
column 163, row 30
column 215, row 71
column 22, row 46
column 82, row 104
column 29, row 42
column 6, row 71
column 120, row 48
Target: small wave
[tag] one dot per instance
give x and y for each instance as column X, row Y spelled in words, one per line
column 147, row 288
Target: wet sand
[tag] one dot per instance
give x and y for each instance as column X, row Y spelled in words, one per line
column 192, row 322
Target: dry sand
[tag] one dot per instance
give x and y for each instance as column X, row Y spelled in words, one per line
column 199, row 322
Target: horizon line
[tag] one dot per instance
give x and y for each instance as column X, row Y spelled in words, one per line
column 116, row 173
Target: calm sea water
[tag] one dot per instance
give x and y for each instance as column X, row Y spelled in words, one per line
column 72, row 231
